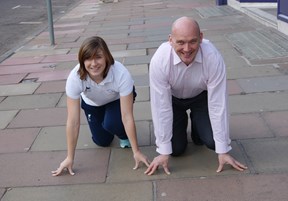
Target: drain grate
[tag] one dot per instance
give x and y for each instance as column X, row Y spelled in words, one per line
column 260, row 44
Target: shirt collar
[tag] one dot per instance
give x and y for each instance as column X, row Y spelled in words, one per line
column 177, row 60
column 109, row 77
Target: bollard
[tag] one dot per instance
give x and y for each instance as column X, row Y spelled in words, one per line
column 50, row 21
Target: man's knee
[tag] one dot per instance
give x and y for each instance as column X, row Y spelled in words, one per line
column 178, row 150
column 210, row 144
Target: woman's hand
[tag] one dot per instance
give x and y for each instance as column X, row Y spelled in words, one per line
column 66, row 164
column 139, row 157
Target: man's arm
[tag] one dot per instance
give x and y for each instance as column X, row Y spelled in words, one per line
column 218, row 112
column 161, row 107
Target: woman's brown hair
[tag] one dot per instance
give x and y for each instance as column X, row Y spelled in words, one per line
column 89, row 49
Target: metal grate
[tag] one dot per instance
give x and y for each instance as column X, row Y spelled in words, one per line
column 216, row 11
column 262, row 44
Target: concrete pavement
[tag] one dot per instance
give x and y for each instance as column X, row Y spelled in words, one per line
column 33, row 109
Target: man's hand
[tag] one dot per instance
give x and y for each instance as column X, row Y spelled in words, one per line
column 139, row 157
column 161, row 160
column 227, row 159
column 66, row 164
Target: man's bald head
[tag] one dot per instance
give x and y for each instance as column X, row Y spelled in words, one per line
column 185, row 23
column 185, row 38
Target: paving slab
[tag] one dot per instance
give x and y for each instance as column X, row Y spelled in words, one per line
column 260, row 102
column 30, row 101
column 135, row 46
column 233, row 87
column 24, row 60
column 17, row 140
column 263, row 84
column 277, row 122
column 27, row 68
column 18, row 89
column 140, row 191
column 152, row 32
column 249, row 126
column 283, row 68
column 141, row 80
column 143, row 133
column 39, row 118
column 142, row 111
column 45, row 140
column 34, row 168
column 66, row 64
column 162, row 38
column 128, row 53
column 11, row 79
column 252, row 72
column 63, row 101
column 70, row 45
column 50, row 76
column 46, row 52
column 141, row 69
column 71, row 24
column 60, row 58
column 198, row 161
column 233, row 188
column 233, row 60
column 6, row 117
column 143, row 93
column 112, row 39
column 51, row 87
column 137, row 60
column 54, row 139
column 275, row 60
column 59, row 33
column 2, row 191
column 267, row 155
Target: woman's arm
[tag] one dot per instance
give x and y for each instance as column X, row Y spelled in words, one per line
column 72, row 126
column 126, row 104
column 72, row 133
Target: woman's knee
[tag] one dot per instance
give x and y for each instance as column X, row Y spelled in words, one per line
column 105, row 142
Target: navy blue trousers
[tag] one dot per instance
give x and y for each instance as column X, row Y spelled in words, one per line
column 105, row 121
column 201, row 130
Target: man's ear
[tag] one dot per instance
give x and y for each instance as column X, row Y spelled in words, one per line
column 201, row 37
column 170, row 39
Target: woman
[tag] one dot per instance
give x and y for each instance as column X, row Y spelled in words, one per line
column 104, row 89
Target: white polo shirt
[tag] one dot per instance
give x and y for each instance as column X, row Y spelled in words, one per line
column 118, row 82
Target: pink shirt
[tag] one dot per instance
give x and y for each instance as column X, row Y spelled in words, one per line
column 169, row 76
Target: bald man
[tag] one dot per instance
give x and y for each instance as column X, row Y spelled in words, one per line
column 187, row 73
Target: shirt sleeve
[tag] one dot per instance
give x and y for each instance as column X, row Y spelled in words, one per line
column 126, row 83
column 217, row 103
column 161, row 106
column 73, row 84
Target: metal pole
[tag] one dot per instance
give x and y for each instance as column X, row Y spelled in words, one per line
column 50, row 21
